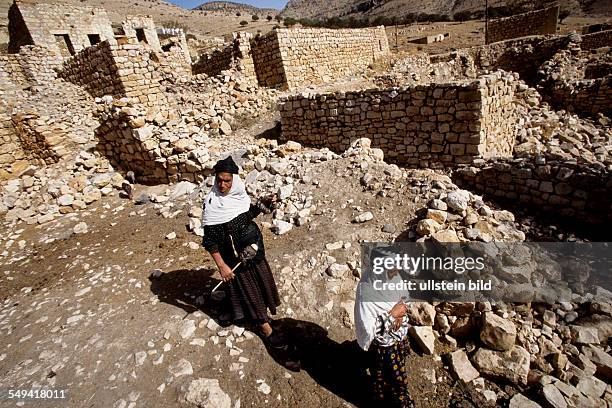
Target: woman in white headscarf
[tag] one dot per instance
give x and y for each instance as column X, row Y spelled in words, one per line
column 382, row 326
column 236, row 245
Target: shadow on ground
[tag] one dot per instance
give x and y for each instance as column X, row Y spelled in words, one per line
column 339, row 367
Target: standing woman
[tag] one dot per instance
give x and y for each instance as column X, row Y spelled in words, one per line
column 229, row 235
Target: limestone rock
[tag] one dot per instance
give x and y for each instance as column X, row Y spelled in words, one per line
column 458, row 200
column 520, row 401
column 366, row 216
column 206, row 393
column 462, row 368
column 421, row 313
column 424, row 337
column 497, row 332
column 553, row 396
column 512, row 365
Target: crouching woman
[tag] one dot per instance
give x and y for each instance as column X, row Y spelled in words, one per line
column 382, row 330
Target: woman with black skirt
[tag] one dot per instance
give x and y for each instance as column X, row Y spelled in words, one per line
column 236, row 245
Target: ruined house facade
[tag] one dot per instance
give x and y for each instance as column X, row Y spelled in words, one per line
column 66, row 29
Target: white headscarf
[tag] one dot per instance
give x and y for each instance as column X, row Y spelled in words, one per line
column 369, row 304
column 219, row 209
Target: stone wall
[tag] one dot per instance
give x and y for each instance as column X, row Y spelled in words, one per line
column 12, row 156
column 172, row 65
column 43, row 139
column 133, row 140
column 314, row 56
column 434, row 125
column 524, row 55
column 571, row 190
column 126, row 69
column 144, row 23
column 237, row 55
column 95, row 70
column 33, row 65
column 597, row 40
column 589, row 96
column 522, row 25
column 268, row 60
column 213, row 63
column 50, row 25
column 12, row 73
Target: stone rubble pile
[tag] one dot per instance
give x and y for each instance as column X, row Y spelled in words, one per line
column 218, row 105
column 559, row 134
column 459, row 216
column 43, row 194
column 419, row 69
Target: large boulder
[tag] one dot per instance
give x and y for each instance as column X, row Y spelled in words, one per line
column 511, row 365
column 497, row 333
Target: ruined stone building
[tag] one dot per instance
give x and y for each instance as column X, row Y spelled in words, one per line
column 67, row 29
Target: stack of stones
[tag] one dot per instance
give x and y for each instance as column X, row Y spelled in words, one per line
column 460, row 216
column 555, row 353
column 149, row 142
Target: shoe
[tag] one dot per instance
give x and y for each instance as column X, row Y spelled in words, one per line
column 276, row 340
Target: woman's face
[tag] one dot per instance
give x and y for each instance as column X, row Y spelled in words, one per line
column 224, row 182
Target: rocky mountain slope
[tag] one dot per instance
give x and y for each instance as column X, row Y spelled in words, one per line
column 395, row 8
column 232, row 7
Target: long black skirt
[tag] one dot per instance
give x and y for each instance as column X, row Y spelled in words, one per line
column 252, row 293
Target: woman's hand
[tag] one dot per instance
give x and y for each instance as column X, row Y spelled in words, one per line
column 399, row 310
column 226, row 273
column 269, row 200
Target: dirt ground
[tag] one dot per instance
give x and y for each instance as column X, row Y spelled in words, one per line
column 75, row 309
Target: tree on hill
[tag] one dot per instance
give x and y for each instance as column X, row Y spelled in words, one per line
column 289, row 22
column 269, row 18
column 244, row 22
column 255, row 17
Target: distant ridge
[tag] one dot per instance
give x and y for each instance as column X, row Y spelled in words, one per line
column 323, row 9
column 232, row 7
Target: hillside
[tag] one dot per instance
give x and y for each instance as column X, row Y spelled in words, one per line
column 320, row 9
column 216, row 23
column 232, row 7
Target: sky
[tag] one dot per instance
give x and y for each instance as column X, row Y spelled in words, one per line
column 277, row 4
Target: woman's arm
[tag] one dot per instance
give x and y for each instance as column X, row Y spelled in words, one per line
column 391, row 320
column 226, row 271
column 263, row 205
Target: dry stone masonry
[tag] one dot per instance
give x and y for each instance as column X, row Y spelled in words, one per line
column 291, row 58
column 66, row 29
column 570, row 189
column 432, row 125
column 314, row 56
column 521, row 25
column 126, row 70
